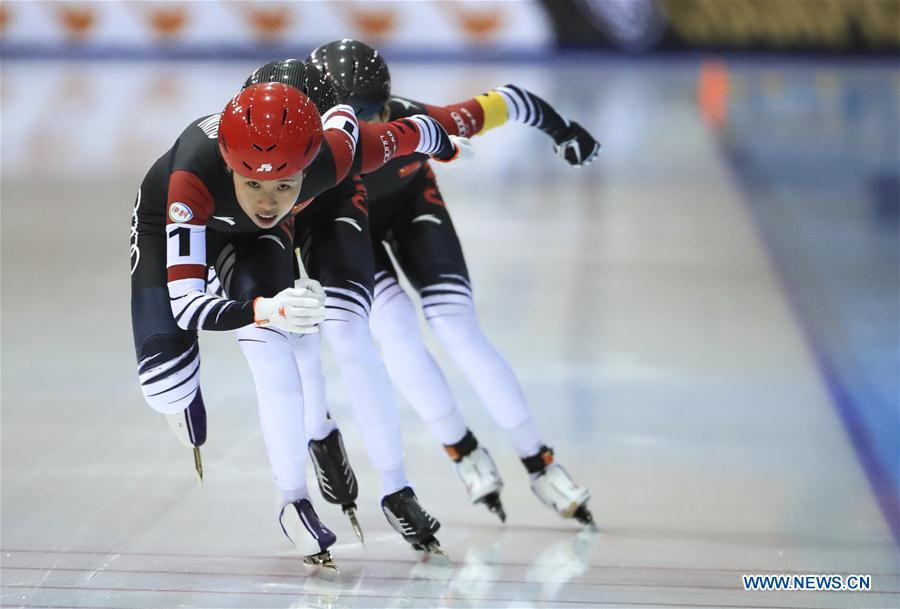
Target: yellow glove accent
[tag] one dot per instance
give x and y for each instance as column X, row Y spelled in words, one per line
column 494, row 106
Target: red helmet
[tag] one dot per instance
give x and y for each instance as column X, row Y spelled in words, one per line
column 269, row 131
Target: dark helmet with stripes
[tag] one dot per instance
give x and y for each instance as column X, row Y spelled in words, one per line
column 359, row 72
column 311, row 81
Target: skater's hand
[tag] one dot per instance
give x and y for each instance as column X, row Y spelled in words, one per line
column 297, row 310
column 576, row 145
column 463, row 154
column 312, row 286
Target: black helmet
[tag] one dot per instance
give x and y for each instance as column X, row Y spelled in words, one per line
column 359, row 72
column 311, row 81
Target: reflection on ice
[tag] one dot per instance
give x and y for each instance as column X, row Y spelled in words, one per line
column 560, row 562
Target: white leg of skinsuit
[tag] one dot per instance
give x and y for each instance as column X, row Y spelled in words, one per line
column 307, row 353
column 280, row 399
column 411, row 367
column 371, row 393
column 453, row 321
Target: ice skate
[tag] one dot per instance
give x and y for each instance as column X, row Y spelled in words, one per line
column 553, row 486
column 315, row 551
column 414, row 524
column 189, row 426
column 479, row 473
column 337, row 482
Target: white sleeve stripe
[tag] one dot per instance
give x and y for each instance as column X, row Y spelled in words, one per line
column 512, row 107
column 207, row 308
column 179, row 288
column 223, row 309
column 184, row 311
column 429, row 138
column 342, row 118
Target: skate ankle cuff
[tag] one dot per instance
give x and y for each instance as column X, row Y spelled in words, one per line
column 536, row 463
column 462, row 448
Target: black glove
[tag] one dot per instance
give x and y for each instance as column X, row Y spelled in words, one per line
column 576, row 145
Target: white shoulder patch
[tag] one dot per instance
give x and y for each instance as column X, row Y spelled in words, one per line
column 179, row 212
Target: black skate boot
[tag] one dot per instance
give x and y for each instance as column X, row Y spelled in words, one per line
column 303, row 511
column 478, row 472
column 336, row 479
column 553, row 486
column 414, row 524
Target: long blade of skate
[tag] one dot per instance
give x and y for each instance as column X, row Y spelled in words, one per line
column 198, row 463
column 351, row 514
column 431, row 547
column 433, row 550
column 322, row 559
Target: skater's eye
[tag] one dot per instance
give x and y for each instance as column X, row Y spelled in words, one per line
column 285, row 186
column 253, row 184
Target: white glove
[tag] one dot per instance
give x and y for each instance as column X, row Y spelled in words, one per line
column 298, row 309
column 464, row 153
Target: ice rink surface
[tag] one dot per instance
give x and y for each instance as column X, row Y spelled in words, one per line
column 636, row 299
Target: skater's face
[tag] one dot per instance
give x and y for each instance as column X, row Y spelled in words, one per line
column 267, row 201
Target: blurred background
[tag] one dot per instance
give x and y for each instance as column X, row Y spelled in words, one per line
column 712, row 348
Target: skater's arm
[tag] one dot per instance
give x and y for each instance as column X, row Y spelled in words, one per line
column 189, row 206
column 376, row 144
column 382, row 142
column 478, row 115
column 340, row 142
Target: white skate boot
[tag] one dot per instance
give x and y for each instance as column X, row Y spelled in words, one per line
column 553, row 486
column 299, row 522
column 479, row 473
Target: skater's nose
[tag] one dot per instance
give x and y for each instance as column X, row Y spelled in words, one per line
column 267, row 204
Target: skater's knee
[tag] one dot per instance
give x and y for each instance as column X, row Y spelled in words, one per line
column 349, row 337
column 449, row 301
column 455, row 319
column 169, row 372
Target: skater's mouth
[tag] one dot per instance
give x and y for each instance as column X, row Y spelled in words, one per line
column 266, row 219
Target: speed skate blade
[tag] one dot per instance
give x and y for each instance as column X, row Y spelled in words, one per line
column 354, row 522
column 198, row 463
column 431, row 548
column 322, row 559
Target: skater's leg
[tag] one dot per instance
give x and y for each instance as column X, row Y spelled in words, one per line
column 307, row 353
column 336, row 478
column 454, row 323
column 410, row 365
column 337, row 252
column 252, row 266
column 168, row 357
column 428, row 249
column 280, row 399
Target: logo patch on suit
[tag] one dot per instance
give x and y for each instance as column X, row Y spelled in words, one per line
column 179, row 212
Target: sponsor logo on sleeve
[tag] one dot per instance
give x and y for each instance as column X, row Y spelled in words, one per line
column 179, row 212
